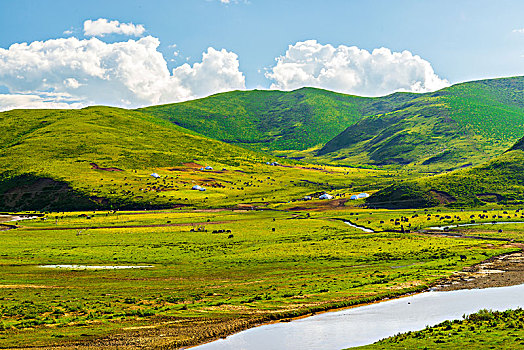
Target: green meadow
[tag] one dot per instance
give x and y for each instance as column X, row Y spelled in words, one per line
column 212, row 271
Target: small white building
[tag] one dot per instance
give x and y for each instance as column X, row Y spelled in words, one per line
column 363, row 195
column 208, row 168
column 197, row 188
column 307, row 198
column 354, row 197
column 155, row 175
column 326, row 196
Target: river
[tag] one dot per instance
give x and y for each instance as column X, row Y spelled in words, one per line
column 369, row 323
column 445, row 227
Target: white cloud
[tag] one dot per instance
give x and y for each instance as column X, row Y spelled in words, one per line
column 352, row 70
column 229, row 2
column 218, row 71
column 520, row 31
column 11, row 101
column 102, row 26
column 127, row 74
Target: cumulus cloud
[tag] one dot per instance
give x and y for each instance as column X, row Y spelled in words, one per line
column 127, row 74
column 11, row 101
column 520, row 31
column 102, row 26
column 352, row 70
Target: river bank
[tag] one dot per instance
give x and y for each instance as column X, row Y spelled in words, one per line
column 499, row 271
column 506, row 270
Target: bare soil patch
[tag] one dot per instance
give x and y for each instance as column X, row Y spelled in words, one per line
column 442, row 197
column 96, row 167
column 500, row 271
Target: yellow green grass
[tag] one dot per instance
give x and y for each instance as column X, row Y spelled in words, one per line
column 273, row 264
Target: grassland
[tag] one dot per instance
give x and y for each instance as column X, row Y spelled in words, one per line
column 482, row 330
column 207, row 281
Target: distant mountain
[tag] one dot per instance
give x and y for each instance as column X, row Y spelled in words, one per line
column 96, row 157
column 498, row 180
column 275, row 120
column 461, row 125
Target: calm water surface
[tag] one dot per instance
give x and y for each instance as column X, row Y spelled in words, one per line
column 367, row 324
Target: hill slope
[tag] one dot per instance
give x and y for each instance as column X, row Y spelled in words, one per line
column 457, row 126
column 498, row 180
column 68, row 158
column 275, row 120
column 104, row 158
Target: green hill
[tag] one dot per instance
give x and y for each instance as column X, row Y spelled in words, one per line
column 104, row 158
column 498, row 180
column 275, row 120
column 461, row 125
column 96, row 157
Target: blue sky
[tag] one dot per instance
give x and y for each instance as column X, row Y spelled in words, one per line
column 461, row 40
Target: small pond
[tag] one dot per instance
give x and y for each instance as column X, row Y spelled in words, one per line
column 95, row 267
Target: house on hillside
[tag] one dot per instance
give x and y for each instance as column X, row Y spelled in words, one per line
column 326, row 196
column 208, row 168
column 363, row 195
column 155, row 175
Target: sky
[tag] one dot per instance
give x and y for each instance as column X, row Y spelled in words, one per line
column 56, row 54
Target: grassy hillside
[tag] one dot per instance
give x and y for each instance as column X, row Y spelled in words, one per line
column 275, row 120
column 498, row 180
column 462, row 125
column 102, row 157
column 456, row 126
column 78, row 153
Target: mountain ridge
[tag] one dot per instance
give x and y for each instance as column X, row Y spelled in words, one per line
column 437, row 131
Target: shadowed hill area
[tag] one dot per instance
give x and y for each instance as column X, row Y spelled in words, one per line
column 498, row 180
column 519, row 145
column 275, row 120
column 461, row 125
column 68, row 158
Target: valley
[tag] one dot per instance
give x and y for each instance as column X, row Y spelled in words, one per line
column 173, row 225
